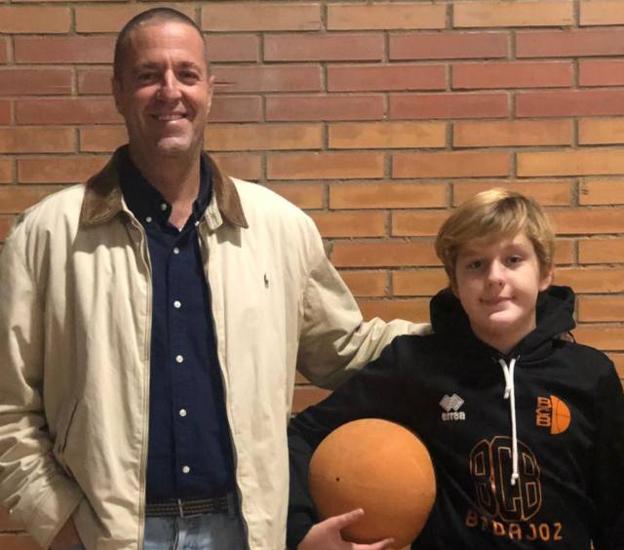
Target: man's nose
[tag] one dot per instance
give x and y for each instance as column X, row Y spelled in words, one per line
column 169, row 89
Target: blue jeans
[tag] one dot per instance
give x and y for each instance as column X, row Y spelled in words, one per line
column 223, row 531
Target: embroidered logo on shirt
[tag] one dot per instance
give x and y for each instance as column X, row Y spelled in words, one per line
column 552, row 413
column 451, row 405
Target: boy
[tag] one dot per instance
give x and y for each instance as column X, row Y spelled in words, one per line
column 534, row 457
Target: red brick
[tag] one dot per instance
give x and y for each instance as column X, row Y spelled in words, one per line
column 604, row 338
column 362, row 78
column 580, row 162
column 505, row 133
column 232, row 47
column 31, row 19
column 4, row 50
column 324, row 47
column 467, row 105
column 289, row 166
column 601, row 131
column 564, row 252
column 415, row 310
column 246, row 166
column 64, row 49
column 546, row 192
column 6, row 170
column 304, row 195
column 450, row 165
column 601, row 251
column 66, row 111
column 609, row 12
column 523, row 74
column 366, row 283
column 18, row 542
column 570, row 103
column 14, row 199
column 19, row 82
column 5, row 111
column 421, row 282
column 593, row 309
column 391, row 135
column 306, row 396
column 102, row 139
column 281, row 78
column 332, row 107
column 6, row 222
column 75, row 169
column 588, row 221
column 350, row 224
column 448, row 45
column 36, row 140
column 385, row 15
column 570, row 43
column 592, row 280
column 242, row 137
column 93, row 19
column 418, row 223
column 601, row 72
column 513, row 14
column 601, row 191
column 386, row 195
column 383, row 254
column 236, row 109
column 268, row 16
column 94, row 81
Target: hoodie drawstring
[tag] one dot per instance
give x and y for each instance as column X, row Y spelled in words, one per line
column 510, row 393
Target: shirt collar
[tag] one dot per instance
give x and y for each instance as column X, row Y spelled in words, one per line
column 103, row 198
column 146, row 202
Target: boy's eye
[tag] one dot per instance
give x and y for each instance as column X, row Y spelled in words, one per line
column 474, row 265
column 514, row 260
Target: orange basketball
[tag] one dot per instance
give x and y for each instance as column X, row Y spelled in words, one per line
column 379, row 466
column 560, row 416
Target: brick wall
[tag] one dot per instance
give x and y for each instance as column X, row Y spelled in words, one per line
column 377, row 118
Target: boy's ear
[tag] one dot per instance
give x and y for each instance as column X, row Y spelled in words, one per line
column 547, row 279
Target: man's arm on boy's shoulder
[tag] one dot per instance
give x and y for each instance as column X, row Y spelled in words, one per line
column 609, row 464
column 376, row 391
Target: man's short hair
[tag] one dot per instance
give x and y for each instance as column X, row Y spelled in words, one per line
column 495, row 213
column 162, row 14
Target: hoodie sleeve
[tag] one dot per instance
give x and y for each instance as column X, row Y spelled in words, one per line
column 609, row 464
column 376, row 391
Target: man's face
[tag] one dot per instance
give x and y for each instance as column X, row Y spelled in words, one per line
column 497, row 283
column 164, row 90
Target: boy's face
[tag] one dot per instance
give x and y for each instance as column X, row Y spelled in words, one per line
column 497, row 281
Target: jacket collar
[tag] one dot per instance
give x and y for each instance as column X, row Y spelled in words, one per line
column 103, row 198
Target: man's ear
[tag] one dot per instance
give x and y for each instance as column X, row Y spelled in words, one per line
column 117, row 92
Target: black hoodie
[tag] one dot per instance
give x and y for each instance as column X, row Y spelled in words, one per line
column 449, row 387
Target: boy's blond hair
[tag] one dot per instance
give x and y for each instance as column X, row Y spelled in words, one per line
column 495, row 213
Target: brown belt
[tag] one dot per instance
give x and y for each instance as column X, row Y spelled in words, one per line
column 191, row 507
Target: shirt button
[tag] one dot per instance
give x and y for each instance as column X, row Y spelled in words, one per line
column 182, row 412
column 186, row 469
column 179, row 358
column 163, row 206
column 176, row 250
column 177, row 304
column 148, row 219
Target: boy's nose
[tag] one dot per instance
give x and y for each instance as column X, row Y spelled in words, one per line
column 496, row 273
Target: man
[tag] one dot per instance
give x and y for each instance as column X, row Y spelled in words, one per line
column 150, row 325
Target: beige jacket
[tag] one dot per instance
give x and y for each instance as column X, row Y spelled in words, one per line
column 75, row 313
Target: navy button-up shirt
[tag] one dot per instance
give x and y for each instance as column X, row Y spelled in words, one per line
column 189, row 452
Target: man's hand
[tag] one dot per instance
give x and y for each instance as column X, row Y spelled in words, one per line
column 326, row 535
column 66, row 538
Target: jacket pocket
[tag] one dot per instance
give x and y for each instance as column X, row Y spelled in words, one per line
column 65, row 421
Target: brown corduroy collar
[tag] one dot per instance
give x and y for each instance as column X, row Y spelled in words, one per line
column 103, row 197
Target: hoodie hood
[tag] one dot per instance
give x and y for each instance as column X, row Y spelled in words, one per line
column 555, row 309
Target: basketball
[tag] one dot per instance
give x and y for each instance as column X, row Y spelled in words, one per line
column 379, row 466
